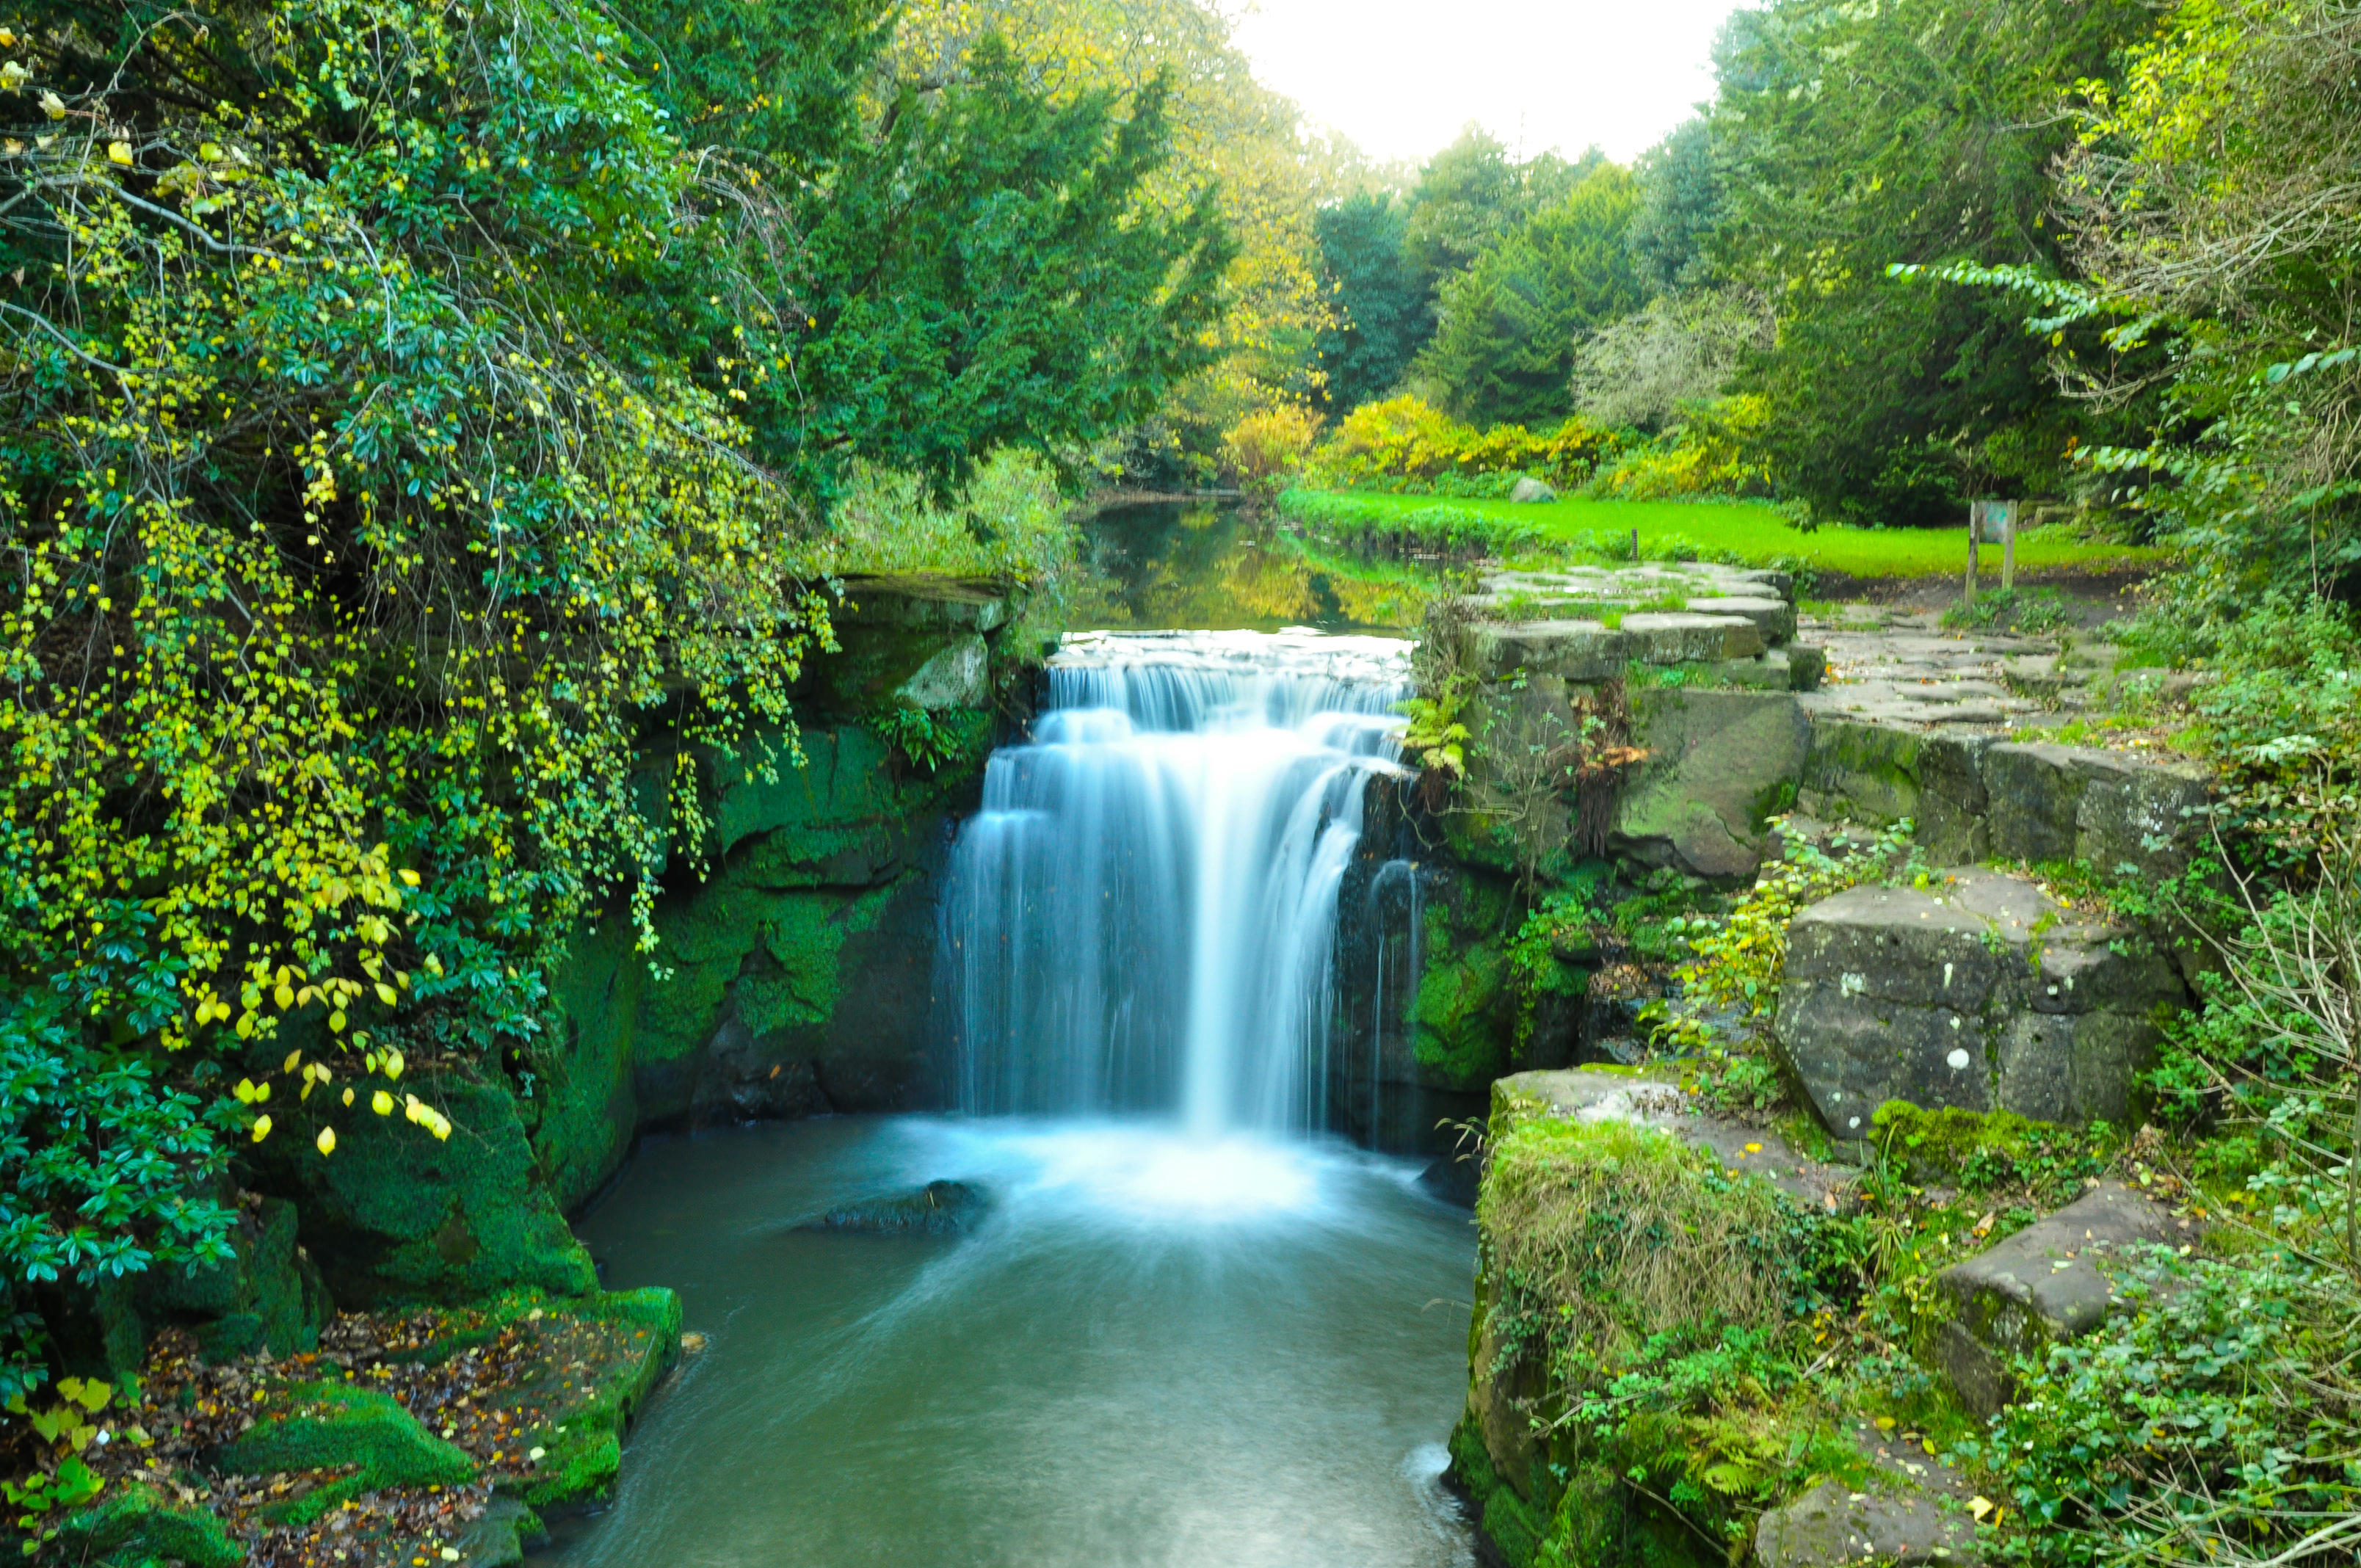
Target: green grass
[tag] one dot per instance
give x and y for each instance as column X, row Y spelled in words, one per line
column 1760, row 534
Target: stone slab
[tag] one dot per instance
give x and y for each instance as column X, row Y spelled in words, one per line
column 2042, row 1285
column 1574, row 650
column 1832, row 1525
column 1679, row 637
column 1775, row 618
column 1979, row 991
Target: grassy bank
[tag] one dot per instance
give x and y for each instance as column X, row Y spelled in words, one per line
column 1735, row 531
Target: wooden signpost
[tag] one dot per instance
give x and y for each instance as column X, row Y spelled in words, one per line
column 1993, row 523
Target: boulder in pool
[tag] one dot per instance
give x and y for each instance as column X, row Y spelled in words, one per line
column 940, row 1208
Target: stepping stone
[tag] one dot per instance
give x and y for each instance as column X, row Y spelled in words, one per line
column 1681, row 638
column 1979, row 991
column 1774, row 616
column 1832, row 1525
column 2041, row 1287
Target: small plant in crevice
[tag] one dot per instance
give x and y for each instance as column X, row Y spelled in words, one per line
column 1730, row 986
column 921, row 739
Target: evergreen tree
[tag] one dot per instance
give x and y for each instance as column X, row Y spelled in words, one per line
column 1385, row 315
column 1503, row 347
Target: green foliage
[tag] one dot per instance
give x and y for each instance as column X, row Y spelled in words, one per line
column 1503, row 345
column 1919, row 132
column 990, row 271
column 1384, row 313
column 923, row 739
column 2209, row 1422
column 1407, row 444
column 1712, row 451
column 1373, row 530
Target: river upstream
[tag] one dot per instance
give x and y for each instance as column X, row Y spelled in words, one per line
column 1194, row 1329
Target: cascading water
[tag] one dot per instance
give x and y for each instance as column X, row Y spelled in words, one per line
column 1142, row 916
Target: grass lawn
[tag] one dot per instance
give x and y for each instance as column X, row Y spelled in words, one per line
column 1760, row 534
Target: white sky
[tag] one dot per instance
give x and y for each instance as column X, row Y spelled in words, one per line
column 1399, row 77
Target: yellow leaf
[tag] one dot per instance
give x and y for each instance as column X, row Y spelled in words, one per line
column 385, row 994
column 348, row 1096
column 119, row 152
column 1981, row 1506
column 327, row 1140
column 293, row 1058
column 393, row 1064
column 381, row 1102
column 53, row 105
column 261, row 1128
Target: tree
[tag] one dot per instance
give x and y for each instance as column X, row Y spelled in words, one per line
column 1383, row 315
column 1503, row 347
column 1470, row 196
column 1680, row 204
column 991, row 271
column 1923, row 131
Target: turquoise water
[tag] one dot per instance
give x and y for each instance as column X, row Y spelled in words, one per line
column 1156, row 1351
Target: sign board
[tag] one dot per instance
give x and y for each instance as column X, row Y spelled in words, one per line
column 1993, row 523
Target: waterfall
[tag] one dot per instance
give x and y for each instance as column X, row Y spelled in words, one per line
column 1142, row 917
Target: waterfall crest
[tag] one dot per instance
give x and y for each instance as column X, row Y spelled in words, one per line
column 1142, row 917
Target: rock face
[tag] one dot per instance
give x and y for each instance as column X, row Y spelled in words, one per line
column 1981, row 992
column 1831, row 1526
column 2039, row 1287
column 1531, row 490
column 1719, row 763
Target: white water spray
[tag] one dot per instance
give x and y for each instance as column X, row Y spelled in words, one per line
column 1143, row 915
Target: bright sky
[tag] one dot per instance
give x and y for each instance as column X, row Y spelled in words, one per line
column 1399, row 77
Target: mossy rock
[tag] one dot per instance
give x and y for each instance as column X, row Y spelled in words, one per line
column 269, row 1297
column 135, row 1525
column 1982, row 1148
column 331, row 1426
column 585, row 1450
column 395, row 1214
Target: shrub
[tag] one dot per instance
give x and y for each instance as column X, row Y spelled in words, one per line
column 1404, row 443
column 1269, row 446
column 1714, row 451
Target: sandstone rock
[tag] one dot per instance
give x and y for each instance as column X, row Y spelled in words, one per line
column 2125, row 815
column 1832, row 1525
column 2041, row 1286
column 954, row 676
column 1531, row 490
column 1575, row 650
column 1681, row 637
column 1775, row 618
column 1719, row 762
column 1980, row 992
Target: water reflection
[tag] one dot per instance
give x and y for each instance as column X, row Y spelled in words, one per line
column 1216, row 566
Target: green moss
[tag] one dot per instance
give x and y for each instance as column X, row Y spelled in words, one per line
column 328, row 1426
column 585, row 1448
column 1982, row 1152
column 135, row 1525
column 581, row 1107
column 1463, row 995
column 395, row 1215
